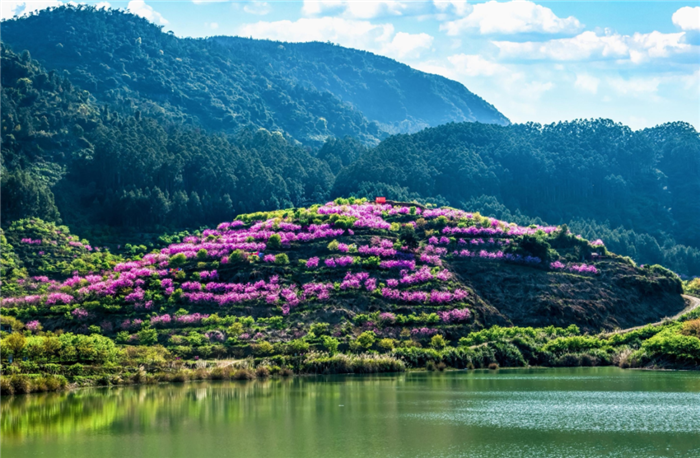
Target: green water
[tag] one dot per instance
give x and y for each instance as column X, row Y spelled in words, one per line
column 583, row 412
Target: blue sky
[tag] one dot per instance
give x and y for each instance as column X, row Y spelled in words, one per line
column 636, row 62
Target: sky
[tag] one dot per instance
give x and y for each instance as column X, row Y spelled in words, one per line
column 636, row 62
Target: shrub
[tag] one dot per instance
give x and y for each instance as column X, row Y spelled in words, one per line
column 430, row 366
column 181, row 376
column 372, row 262
column 276, row 322
column 274, row 242
column 674, row 347
column 20, row 384
column 177, row 260
column 39, row 385
column 148, row 336
column 286, row 372
column 691, row 287
column 200, row 374
column 533, row 245
column 243, row 374
column 319, row 329
column 262, row 372
column 493, row 366
column 573, row 344
column 281, row 259
column 691, row 328
column 202, row 254
column 263, row 348
column 358, row 364
column 236, row 257
column 441, row 366
column 508, row 354
column 569, row 360
column 387, row 344
column 366, row 339
column 438, row 342
column 12, row 322
column 5, row 386
column 297, row 346
column 218, row 373
column 407, row 235
column 330, row 344
column 15, row 343
column 588, row 360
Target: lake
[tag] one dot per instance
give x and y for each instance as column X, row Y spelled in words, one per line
column 573, row 412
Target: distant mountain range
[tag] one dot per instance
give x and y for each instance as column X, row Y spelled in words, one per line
column 309, row 91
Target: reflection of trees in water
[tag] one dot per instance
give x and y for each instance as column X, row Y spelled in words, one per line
column 172, row 407
column 60, row 414
column 176, row 407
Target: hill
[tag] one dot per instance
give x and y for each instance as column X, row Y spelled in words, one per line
column 634, row 189
column 308, row 91
column 409, row 283
column 65, row 155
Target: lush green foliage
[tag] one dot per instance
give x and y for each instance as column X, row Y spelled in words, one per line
column 635, row 190
column 133, row 170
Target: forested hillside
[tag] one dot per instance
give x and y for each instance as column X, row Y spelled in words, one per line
column 399, row 98
column 307, row 91
column 104, row 167
column 636, row 190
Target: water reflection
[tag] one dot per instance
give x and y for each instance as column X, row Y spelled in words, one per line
column 562, row 412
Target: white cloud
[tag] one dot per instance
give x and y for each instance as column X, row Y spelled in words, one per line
column 13, row 8
column 211, row 25
column 635, row 87
column 377, row 38
column 504, row 82
column 691, row 83
column 587, row 83
column 258, row 8
column 103, row 6
column 457, row 7
column 408, row 44
column 140, row 8
column 476, row 65
column 513, row 17
column 636, row 48
column 360, row 9
column 687, row 18
column 650, row 86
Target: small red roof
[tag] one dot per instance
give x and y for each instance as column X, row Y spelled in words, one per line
column 380, row 200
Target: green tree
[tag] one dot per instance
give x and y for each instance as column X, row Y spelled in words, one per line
column 366, row 339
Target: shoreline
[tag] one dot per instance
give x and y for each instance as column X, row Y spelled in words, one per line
column 73, row 387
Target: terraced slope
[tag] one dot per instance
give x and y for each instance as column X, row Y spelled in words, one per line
column 389, row 268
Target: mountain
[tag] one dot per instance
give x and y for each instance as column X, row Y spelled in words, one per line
column 349, row 286
column 637, row 190
column 308, row 91
column 66, row 156
column 397, row 97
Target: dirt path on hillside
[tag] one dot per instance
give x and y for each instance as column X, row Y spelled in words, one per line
column 693, row 303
